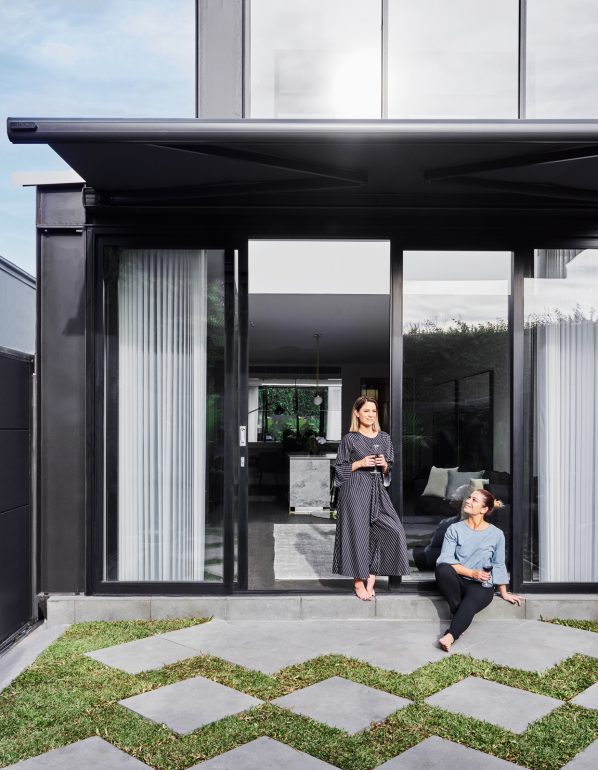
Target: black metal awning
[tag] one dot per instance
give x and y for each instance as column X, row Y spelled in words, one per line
column 464, row 164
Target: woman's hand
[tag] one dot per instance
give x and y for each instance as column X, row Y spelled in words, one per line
column 511, row 598
column 479, row 574
column 380, row 461
column 369, row 461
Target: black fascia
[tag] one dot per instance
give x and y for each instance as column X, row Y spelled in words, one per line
column 161, row 131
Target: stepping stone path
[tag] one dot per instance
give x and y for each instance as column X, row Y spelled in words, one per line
column 190, row 704
column 337, row 702
column 402, row 646
column 438, row 754
column 498, row 704
column 585, row 760
column 264, row 754
column 90, row 754
column 588, row 698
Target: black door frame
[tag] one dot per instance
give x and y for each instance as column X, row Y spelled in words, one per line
column 98, row 239
column 139, row 231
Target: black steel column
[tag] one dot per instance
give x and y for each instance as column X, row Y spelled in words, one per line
column 231, row 422
column 396, row 373
column 242, row 524
column 521, row 266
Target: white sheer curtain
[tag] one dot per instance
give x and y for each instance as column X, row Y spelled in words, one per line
column 567, row 421
column 162, row 317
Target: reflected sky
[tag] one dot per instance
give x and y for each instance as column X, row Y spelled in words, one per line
column 443, row 288
column 576, row 293
column 562, row 58
column 456, row 59
column 316, row 59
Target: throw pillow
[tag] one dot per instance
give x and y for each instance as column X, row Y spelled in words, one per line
column 460, row 493
column 457, row 478
column 476, row 484
column 437, row 482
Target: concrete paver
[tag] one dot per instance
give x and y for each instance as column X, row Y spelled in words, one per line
column 498, row 704
column 340, row 703
column 142, row 654
column 190, row 704
column 585, row 760
column 90, row 754
column 588, row 698
column 399, row 645
column 263, row 754
column 439, row 754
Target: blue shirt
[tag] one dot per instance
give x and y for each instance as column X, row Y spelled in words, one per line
column 476, row 549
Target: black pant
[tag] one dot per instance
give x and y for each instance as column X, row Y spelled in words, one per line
column 464, row 597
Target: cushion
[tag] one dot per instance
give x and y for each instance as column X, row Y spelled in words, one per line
column 476, row 484
column 437, row 482
column 457, row 478
column 461, row 493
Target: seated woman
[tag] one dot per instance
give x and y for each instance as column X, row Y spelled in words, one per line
column 471, row 563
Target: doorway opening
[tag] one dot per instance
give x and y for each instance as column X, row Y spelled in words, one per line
column 319, row 336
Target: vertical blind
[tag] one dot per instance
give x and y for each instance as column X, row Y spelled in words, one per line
column 567, row 432
column 162, row 318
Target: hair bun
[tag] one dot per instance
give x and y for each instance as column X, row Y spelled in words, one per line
column 499, row 504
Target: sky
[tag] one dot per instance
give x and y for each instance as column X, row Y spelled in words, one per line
column 136, row 58
column 84, row 58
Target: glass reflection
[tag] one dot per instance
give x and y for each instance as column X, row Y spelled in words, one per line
column 561, row 471
column 562, row 59
column 456, row 392
column 315, row 59
column 452, row 60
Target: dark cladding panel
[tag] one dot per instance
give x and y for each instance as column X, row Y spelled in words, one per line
column 14, row 407
column 14, row 469
column 60, row 206
column 15, row 571
column 62, row 410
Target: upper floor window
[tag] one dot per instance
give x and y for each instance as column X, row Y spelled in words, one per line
column 562, row 59
column 315, row 59
column 455, row 59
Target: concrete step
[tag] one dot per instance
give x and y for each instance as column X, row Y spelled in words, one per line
column 68, row 608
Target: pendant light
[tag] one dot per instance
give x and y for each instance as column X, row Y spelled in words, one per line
column 317, row 398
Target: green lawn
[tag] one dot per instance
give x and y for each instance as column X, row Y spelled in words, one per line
column 65, row 697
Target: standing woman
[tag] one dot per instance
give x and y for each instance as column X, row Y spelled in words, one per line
column 471, row 563
column 370, row 539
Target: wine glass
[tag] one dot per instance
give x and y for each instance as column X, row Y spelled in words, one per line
column 488, row 568
column 376, row 448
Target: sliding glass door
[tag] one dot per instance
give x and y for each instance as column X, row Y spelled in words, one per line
column 456, row 392
column 164, row 415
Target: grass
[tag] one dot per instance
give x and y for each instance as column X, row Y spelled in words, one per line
column 65, row 696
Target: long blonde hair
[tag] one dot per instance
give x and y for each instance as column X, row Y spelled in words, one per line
column 356, row 407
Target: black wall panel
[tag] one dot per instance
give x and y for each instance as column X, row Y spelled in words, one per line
column 15, row 401
column 61, row 372
column 15, row 493
column 15, row 570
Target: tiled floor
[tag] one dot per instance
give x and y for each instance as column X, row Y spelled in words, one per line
column 401, row 646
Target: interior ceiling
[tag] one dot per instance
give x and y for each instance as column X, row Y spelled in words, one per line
column 433, row 163
column 354, row 328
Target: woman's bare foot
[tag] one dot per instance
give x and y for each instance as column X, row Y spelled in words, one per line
column 360, row 590
column 369, row 586
column 446, row 642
